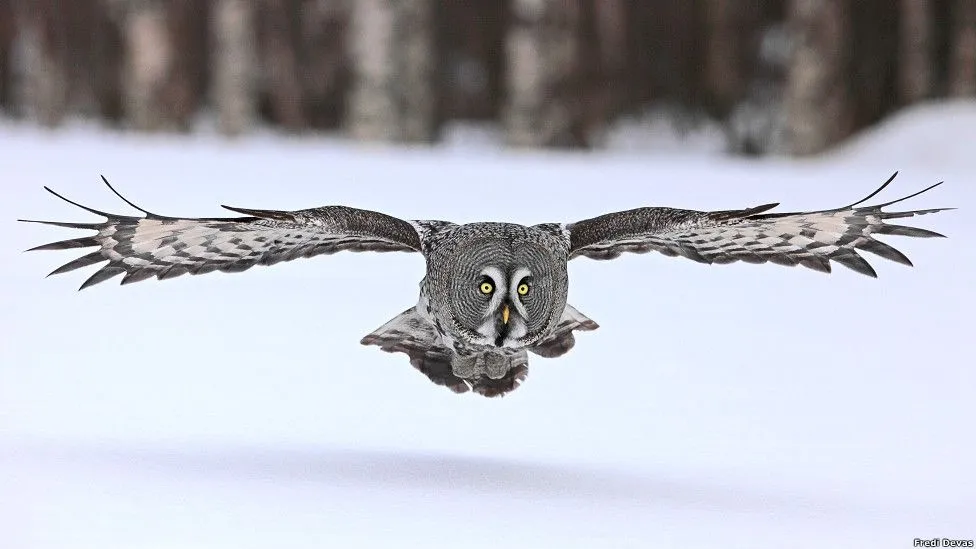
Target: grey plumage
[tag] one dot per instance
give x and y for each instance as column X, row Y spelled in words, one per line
column 492, row 291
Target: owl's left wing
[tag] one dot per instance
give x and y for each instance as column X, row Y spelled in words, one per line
column 165, row 247
column 811, row 239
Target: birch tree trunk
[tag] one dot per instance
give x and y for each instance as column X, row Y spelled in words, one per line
column 147, row 65
column 817, row 102
column 916, row 49
column 234, row 65
column 392, row 96
column 542, row 50
column 962, row 64
column 46, row 77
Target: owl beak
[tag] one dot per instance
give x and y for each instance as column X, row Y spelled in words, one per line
column 505, row 313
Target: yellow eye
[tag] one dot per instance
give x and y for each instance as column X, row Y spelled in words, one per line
column 486, row 288
column 522, row 289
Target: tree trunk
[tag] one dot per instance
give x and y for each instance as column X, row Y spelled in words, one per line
column 471, row 36
column 392, row 96
column 542, row 49
column 725, row 51
column 45, row 91
column 600, row 76
column 916, row 42
column 8, row 32
column 149, row 57
column 962, row 65
column 281, row 64
column 817, row 101
column 187, row 34
column 325, row 25
column 234, row 65
column 108, row 62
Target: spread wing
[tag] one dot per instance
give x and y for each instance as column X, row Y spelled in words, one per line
column 811, row 239
column 165, row 247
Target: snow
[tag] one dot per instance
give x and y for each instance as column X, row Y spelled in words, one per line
column 717, row 406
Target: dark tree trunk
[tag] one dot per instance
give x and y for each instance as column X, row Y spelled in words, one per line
column 543, row 52
column 108, row 63
column 728, row 27
column 325, row 24
column 8, row 33
column 872, row 64
column 962, row 64
column 817, row 99
column 46, row 78
column 281, row 67
column 78, row 25
column 601, row 72
column 182, row 91
column 915, row 50
column 470, row 42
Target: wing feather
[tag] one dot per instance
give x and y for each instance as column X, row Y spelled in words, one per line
column 168, row 247
column 752, row 235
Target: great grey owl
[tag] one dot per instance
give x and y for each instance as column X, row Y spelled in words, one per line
column 492, row 291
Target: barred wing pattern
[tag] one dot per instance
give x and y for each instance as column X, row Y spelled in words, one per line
column 810, row 239
column 167, row 247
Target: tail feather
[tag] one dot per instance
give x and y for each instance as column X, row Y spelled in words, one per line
column 413, row 335
column 562, row 340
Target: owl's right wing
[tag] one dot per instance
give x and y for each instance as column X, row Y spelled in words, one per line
column 165, row 247
column 754, row 235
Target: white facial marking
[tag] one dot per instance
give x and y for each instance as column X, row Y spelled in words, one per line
column 487, row 329
column 495, row 274
column 519, row 274
column 513, row 296
column 498, row 280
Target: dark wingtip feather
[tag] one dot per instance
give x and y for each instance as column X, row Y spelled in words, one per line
column 265, row 214
column 884, row 250
column 911, row 213
column 126, row 200
column 102, row 275
column 816, row 263
column 870, row 196
column 73, row 203
column 760, row 209
column 902, row 199
column 83, row 242
column 856, row 263
column 83, row 261
column 904, row 230
column 876, row 191
column 136, row 276
column 66, row 224
column 723, row 215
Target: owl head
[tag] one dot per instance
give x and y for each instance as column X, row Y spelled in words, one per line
column 499, row 289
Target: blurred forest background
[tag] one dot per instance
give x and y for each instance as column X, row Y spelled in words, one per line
column 779, row 76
